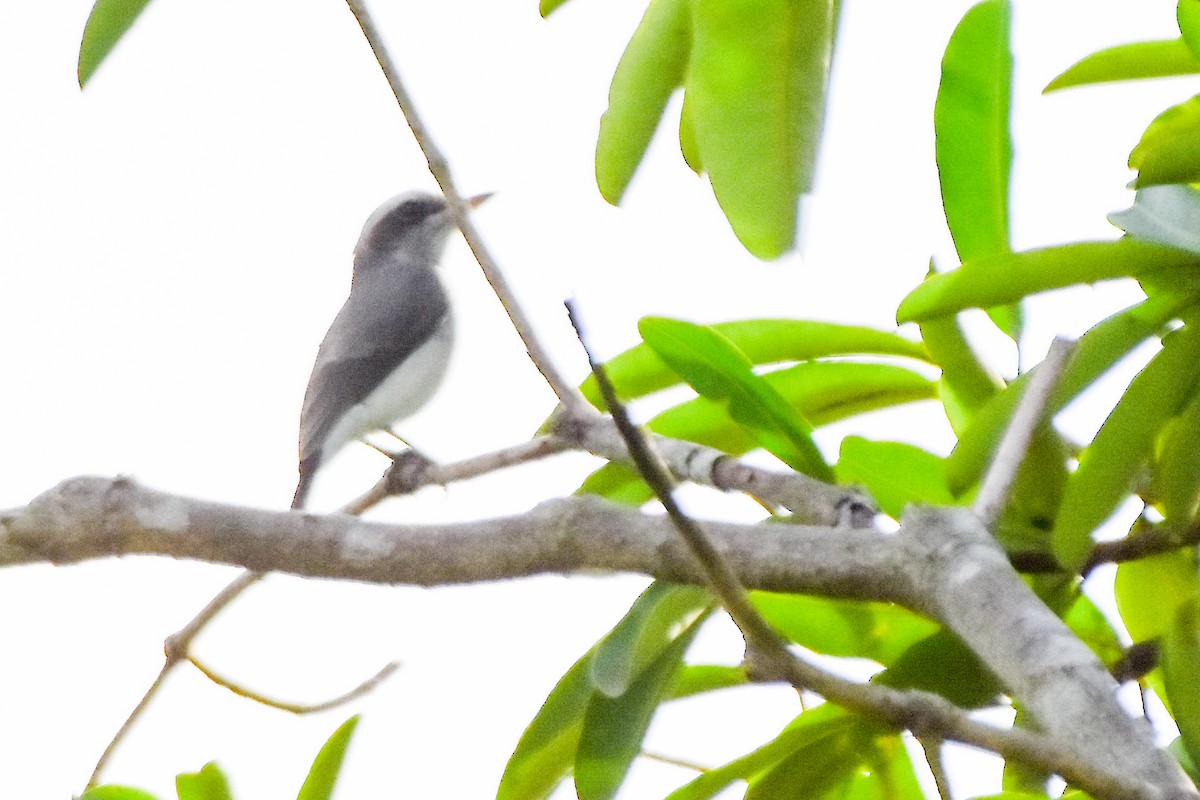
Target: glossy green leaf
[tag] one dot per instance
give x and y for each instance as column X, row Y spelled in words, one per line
column 113, row 792
column 1093, row 628
column 845, row 628
column 970, row 117
column 894, row 474
column 696, row 679
column 546, row 750
column 942, row 663
column 1149, row 590
column 972, row 141
column 1095, row 353
column 107, row 23
column 719, row 371
column 1167, row 215
column 1187, row 14
column 1169, row 150
column 823, row 392
column 966, row 384
column 207, row 784
column 1158, row 59
column 823, row 768
column 1181, row 673
column 1179, row 752
column 888, row 774
column 651, row 68
column 548, row 7
column 687, row 138
column 323, row 773
column 1176, row 471
column 755, row 93
column 613, row 727
column 1108, row 465
column 1008, row 277
column 651, row 624
column 816, row 725
column 638, row 371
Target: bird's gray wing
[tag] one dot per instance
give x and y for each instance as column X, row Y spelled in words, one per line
column 375, row 331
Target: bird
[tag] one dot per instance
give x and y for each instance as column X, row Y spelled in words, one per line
column 387, row 350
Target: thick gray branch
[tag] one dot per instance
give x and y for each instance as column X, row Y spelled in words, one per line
column 942, row 562
column 974, row 591
column 87, row 518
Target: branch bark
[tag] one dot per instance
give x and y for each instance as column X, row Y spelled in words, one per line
column 942, row 562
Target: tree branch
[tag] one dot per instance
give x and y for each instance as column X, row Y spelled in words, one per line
column 440, row 169
column 941, row 561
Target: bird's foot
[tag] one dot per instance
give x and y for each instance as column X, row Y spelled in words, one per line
column 409, row 471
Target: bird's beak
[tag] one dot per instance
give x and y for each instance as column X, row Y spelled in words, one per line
column 477, row 200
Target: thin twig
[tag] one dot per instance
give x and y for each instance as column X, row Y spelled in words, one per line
column 440, row 169
column 295, row 708
column 993, row 494
column 444, row 474
column 175, row 649
column 932, row 746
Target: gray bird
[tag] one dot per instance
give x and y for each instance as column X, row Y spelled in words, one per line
column 387, row 350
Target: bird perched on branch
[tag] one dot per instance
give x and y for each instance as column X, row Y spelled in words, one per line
column 387, row 350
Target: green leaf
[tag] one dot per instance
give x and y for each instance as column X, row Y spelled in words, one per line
column 973, row 145
column 809, row 730
column 1181, row 673
column 818, row 769
column 822, row 392
column 1008, row 277
column 1169, row 150
column 845, row 628
column 1149, row 590
column 716, row 369
column 114, row 792
column 546, row 750
column 1167, row 215
column 970, row 116
column 651, row 68
column 207, row 784
column 638, row 371
column 1187, row 14
column 1096, row 352
column 548, row 7
column 966, row 384
column 1176, row 472
column 1091, row 626
column 107, row 23
column 650, row 625
column 1159, row 59
column 1108, row 465
column 323, row 773
column 613, row 727
column 941, row 663
column 696, row 679
column 894, row 474
column 755, row 96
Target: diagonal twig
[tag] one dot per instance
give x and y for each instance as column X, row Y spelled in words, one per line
column 998, row 482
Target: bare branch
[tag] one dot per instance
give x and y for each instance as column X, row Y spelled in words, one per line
column 296, row 708
column 1031, row 409
column 941, row 561
column 439, row 167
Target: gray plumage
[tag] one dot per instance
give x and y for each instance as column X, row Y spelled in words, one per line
column 386, row 352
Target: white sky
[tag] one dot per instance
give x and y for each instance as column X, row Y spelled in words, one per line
column 177, row 238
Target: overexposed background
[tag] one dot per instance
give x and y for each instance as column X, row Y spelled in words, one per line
column 175, row 240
